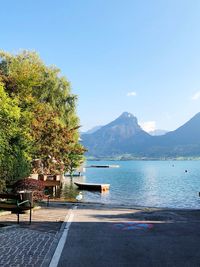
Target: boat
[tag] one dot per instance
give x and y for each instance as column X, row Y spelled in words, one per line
column 103, row 166
column 93, row 186
column 78, row 172
column 73, row 175
column 99, row 166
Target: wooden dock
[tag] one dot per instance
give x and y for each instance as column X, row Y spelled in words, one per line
column 93, row 186
column 52, row 183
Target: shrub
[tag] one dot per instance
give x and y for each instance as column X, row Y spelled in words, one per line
column 29, row 184
column 2, row 185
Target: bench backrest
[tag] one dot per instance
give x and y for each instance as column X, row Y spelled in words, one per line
column 10, row 196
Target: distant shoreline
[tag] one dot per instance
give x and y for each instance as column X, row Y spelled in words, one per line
column 142, row 159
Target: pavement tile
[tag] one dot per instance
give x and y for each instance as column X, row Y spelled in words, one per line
column 33, row 245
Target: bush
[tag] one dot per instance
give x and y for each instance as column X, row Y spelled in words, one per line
column 2, row 185
column 29, row 184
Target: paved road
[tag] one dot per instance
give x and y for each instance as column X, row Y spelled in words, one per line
column 100, row 236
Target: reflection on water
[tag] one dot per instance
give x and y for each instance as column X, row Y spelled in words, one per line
column 70, row 191
column 142, row 183
column 96, row 196
column 149, row 183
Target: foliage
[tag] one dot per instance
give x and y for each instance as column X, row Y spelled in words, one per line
column 69, row 192
column 47, row 130
column 36, row 186
column 2, row 185
column 37, row 118
column 13, row 143
column 74, row 158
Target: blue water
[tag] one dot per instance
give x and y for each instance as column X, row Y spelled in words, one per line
column 146, row 183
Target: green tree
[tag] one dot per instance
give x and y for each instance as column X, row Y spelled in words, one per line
column 74, row 158
column 14, row 161
column 46, row 111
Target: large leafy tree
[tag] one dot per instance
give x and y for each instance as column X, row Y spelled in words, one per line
column 42, row 109
column 46, row 130
column 14, row 143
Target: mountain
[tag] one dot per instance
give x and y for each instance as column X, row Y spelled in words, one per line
column 124, row 136
column 94, row 129
column 121, row 135
column 184, row 141
column 189, row 133
column 158, row 132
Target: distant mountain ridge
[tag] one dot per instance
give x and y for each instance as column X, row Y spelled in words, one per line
column 156, row 132
column 125, row 136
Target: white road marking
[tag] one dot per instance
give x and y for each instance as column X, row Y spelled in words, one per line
column 68, row 220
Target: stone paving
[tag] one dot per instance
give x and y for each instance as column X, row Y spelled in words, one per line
column 24, row 247
column 32, row 245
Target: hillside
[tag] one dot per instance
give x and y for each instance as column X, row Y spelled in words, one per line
column 124, row 136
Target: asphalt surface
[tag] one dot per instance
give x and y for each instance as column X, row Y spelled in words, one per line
column 111, row 236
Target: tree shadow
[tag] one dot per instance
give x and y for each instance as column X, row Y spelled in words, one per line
column 151, row 214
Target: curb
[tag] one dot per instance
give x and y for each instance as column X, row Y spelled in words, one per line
column 5, row 213
column 8, row 227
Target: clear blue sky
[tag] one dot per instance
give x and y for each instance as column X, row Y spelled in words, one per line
column 137, row 56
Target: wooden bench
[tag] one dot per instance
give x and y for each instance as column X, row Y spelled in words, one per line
column 15, row 204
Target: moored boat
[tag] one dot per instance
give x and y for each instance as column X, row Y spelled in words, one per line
column 99, row 166
column 93, row 186
column 103, row 166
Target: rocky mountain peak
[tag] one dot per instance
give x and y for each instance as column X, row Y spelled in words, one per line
column 126, row 115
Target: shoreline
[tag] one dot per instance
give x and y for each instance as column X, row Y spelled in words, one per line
column 145, row 159
column 125, row 206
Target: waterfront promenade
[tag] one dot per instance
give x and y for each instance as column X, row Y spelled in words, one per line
column 31, row 245
column 100, row 235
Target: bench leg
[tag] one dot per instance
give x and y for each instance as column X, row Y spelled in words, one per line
column 30, row 216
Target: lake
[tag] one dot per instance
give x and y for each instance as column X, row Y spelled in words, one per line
column 143, row 183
